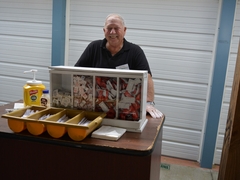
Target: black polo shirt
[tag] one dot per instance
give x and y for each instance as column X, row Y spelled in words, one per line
column 131, row 56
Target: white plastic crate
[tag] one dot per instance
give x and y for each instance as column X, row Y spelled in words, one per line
column 120, row 93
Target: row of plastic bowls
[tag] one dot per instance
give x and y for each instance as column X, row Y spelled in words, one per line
column 77, row 132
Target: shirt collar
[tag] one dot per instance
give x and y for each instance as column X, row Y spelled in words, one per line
column 126, row 44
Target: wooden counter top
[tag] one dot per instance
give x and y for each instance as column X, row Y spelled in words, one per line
column 131, row 143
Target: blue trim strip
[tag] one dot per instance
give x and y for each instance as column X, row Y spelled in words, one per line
column 58, row 32
column 219, row 73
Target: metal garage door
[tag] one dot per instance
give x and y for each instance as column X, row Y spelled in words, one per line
column 228, row 84
column 178, row 38
column 25, row 43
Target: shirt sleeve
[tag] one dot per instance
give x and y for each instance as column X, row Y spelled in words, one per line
column 140, row 61
column 85, row 59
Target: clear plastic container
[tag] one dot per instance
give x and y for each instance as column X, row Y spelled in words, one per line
column 45, row 98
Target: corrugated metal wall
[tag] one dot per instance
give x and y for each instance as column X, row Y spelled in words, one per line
column 228, row 85
column 25, row 43
column 178, row 39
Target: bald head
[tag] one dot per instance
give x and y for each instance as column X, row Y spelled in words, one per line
column 113, row 16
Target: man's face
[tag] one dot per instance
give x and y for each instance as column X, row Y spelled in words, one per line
column 114, row 31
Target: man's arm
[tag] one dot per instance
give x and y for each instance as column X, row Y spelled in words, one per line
column 150, row 100
column 150, row 89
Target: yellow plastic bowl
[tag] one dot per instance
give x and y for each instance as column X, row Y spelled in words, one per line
column 78, row 132
column 56, row 131
column 35, row 128
column 16, row 125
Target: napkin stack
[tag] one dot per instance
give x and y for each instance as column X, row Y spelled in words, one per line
column 108, row 133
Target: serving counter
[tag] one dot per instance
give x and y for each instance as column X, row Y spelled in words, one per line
column 135, row 156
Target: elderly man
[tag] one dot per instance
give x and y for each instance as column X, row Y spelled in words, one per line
column 115, row 52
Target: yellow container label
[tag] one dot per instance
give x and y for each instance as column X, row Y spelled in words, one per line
column 32, row 94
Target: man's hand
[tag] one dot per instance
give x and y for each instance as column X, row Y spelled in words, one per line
column 155, row 113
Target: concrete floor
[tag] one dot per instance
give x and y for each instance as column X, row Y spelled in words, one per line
column 178, row 169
